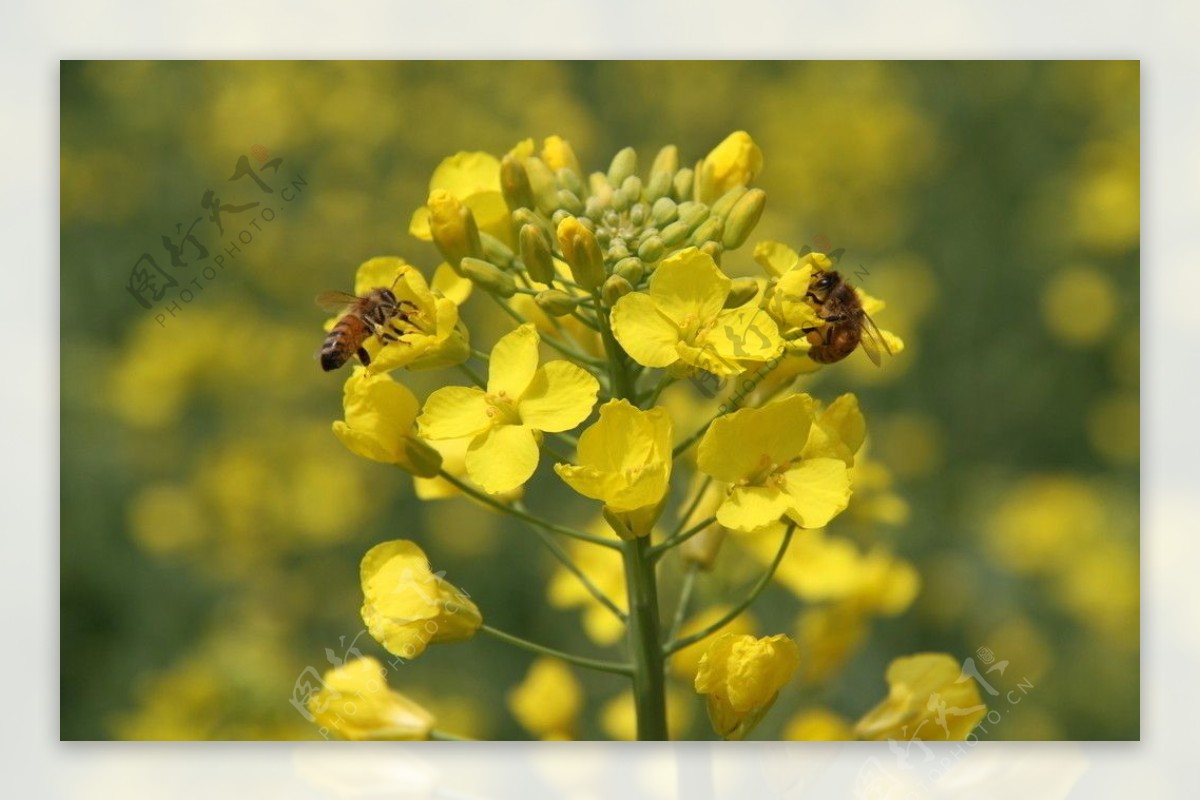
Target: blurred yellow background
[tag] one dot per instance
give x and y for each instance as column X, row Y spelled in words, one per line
column 212, row 525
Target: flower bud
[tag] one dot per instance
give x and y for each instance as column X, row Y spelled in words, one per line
column 453, row 228
column 674, row 234
column 692, row 213
column 582, row 253
column 623, row 165
column 666, row 161
column 535, row 252
column 495, row 251
column 489, row 277
column 422, row 459
column 743, row 217
column 570, row 201
column 524, row 216
column 559, row 155
column 659, row 185
column 741, row 292
column 570, row 180
column 632, row 186
column 543, row 184
column 555, row 302
column 727, row 201
column 651, row 250
column 601, row 189
column 620, row 200
column 615, row 288
column 709, row 231
column 664, row 211
column 631, row 269
column 734, row 162
column 681, row 185
column 514, row 183
column 618, row 249
column 713, row 250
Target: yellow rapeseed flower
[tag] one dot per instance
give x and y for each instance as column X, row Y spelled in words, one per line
column 506, row 420
column 686, row 661
column 760, row 453
column 929, row 698
column 431, row 336
column 682, row 320
column 473, row 179
column 818, row 724
column 548, row 701
column 734, row 162
column 624, row 461
column 379, row 423
column 406, row 606
column 742, row 676
column 356, row 703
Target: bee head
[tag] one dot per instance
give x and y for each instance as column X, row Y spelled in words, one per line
column 825, row 281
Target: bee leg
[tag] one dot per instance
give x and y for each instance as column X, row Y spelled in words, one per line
column 364, row 357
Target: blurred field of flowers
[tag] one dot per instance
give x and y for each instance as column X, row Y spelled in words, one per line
column 212, row 525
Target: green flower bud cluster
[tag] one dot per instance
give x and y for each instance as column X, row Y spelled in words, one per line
column 610, row 228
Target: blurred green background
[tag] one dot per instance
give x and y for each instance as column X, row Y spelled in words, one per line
column 212, row 525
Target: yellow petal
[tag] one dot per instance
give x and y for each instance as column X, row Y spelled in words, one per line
column 750, row 508
column 819, row 490
column 743, row 335
column 465, row 174
column 381, row 271
column 645, row 334
column 379, row 415
column 450, row 284
column 453, row 412
column 775, row 258
column 513, row 362
column 560, row 397
column 688, row 285
column 502, row 459
column 740, row 445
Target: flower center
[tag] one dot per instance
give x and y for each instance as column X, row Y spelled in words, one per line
column 501, row 409
column 768, row 473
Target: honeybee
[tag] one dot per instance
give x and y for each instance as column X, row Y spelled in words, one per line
column 847, row 324
column 373, row 314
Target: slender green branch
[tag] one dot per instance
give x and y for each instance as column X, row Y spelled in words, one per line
column 620, row 668
column 553, row 342
column 658, row 550
column 685, row 597
column 620, row 382
column 565, row 560
column 691, row 508
column 487, row 357
column 757, row 590
column 484, row 498
column 550, row 450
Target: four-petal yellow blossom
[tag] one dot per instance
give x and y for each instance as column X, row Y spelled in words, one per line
column 356, row 703
column 929, row 698
column 406, row 606
column 760, row 453
column 548, row 701
column 379, row 423
column 742, row 676
column 734, row 162
column 682, row 320
column 624, row 460
column 505, row 420
column 473, row 179
column 431, row 334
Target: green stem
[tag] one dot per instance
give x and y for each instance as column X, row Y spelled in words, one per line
column 619, row 380
column 467, row 489
column 685, row 597
column 619, row 668
column 644, row 641
column 562, row 348
column 658, row 550
column 756, row 591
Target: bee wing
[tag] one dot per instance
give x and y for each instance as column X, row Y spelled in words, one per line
column 333, row 300
column 872, row 340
